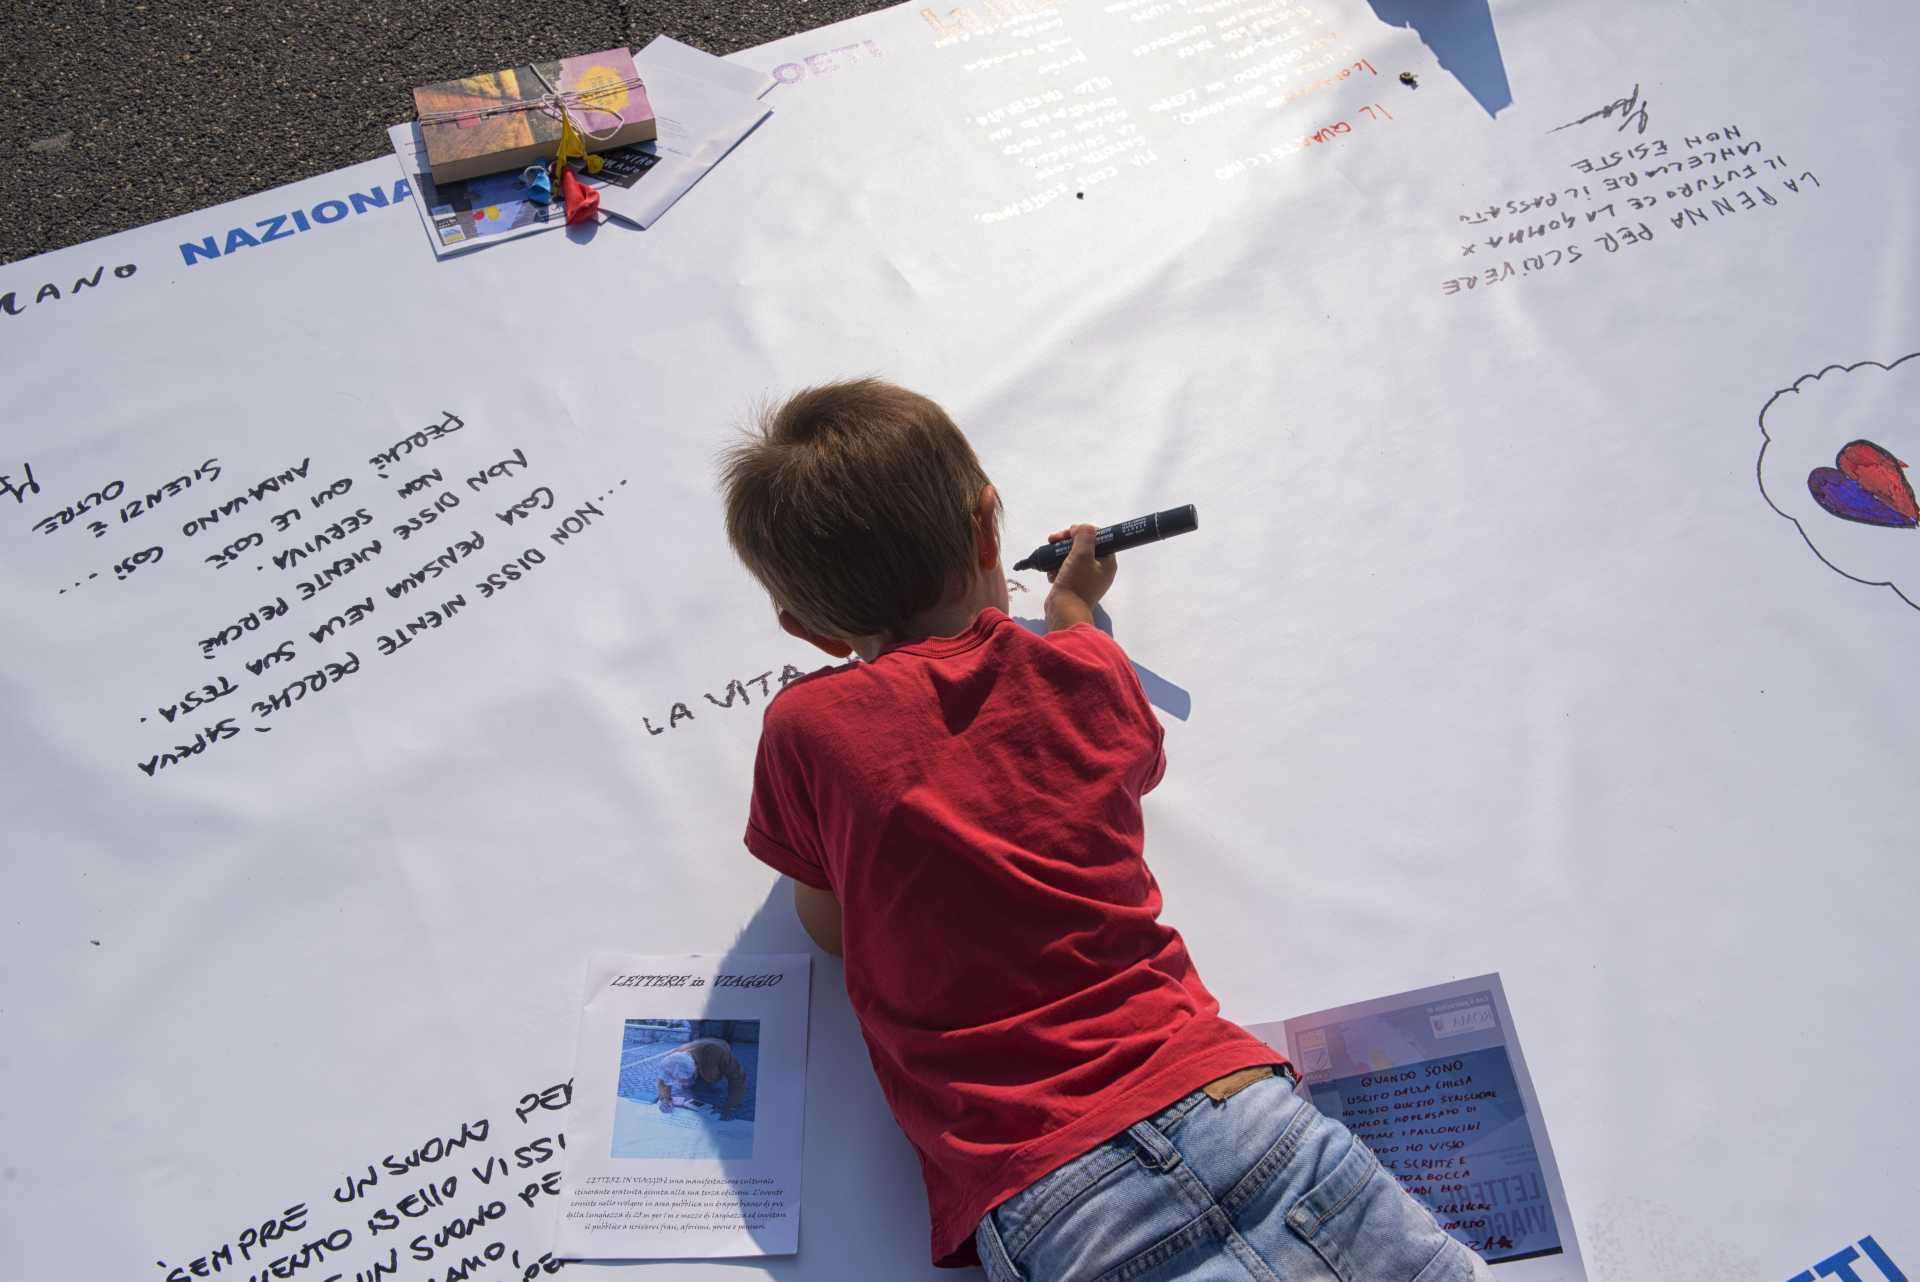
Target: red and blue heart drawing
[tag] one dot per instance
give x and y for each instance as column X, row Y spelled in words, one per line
column 1866, row 485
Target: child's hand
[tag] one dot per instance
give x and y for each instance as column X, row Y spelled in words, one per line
column 666, row 1106
column 1081, row 580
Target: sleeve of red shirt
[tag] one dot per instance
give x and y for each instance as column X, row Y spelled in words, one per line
column 783, row 830
column 1091, row 643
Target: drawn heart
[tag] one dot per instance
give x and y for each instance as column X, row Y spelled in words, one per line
column 1867, row 486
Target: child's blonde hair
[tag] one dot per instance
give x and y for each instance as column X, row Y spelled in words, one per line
column 853, row 503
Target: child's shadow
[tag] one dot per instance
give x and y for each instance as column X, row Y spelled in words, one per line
column 1161, row 693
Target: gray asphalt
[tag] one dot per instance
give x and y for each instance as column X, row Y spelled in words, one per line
column 123, row 113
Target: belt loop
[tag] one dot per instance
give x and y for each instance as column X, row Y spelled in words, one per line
column 1156, row 1150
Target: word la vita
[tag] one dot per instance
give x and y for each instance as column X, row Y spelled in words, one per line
column 736, row 691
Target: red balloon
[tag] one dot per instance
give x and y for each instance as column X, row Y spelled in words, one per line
column 583, row 203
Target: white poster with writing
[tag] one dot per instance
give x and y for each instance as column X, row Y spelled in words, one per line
column 1536, row 368
column 688, row 1097
column 1433, row 1081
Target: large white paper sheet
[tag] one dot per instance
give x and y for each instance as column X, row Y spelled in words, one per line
column 703, row 1162
column 1497, row 650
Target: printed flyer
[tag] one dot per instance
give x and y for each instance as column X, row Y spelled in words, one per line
column 1433, row 1081
column 689, row 1095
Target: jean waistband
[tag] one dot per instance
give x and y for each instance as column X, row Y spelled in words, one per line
column 1173, row 1112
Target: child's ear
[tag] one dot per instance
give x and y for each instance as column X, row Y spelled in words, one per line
column 832, row 645
column 986, row 527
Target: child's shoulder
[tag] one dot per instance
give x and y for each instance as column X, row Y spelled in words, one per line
column 845, row 694
column 799, row 690
column 1086, row 646
column 831, row 696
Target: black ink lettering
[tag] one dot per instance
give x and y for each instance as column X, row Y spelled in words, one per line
column 29, row 486
column 551, row 1099
column 1632, row 108
column 418, row 483
column 574, row 524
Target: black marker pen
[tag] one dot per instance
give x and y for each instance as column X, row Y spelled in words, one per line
column 1049, row 557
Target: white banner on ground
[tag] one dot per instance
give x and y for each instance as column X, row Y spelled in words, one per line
column 375, row 655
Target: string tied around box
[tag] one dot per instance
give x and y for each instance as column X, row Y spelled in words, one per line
column 552, row 102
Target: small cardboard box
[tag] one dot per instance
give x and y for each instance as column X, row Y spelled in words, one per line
column 508, row 119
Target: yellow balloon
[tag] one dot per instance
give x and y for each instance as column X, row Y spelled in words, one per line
column 570, row 145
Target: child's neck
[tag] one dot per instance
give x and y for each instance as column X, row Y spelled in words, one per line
column 949, row 618
column 942, row 621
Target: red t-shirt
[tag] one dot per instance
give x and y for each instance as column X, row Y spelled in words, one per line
column 974, row 804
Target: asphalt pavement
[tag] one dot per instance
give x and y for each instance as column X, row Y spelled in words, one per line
column 126, row 113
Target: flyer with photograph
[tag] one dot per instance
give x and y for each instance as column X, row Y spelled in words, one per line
column 688, row 1097
column 474, row 212
column 1433, row 1081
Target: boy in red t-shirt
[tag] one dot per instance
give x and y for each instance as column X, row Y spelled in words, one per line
column 960, row 815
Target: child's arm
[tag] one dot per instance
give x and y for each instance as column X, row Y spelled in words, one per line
column 1080, row 582
column 666, row 1095
column 1078, row 585
column 819, row 912
column 736, row 1086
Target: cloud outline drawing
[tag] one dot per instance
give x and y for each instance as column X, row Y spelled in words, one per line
column 1806, row 440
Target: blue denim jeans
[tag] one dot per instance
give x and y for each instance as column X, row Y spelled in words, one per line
column 1259, row 1187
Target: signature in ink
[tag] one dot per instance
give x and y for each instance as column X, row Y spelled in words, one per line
column 1630, row 109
